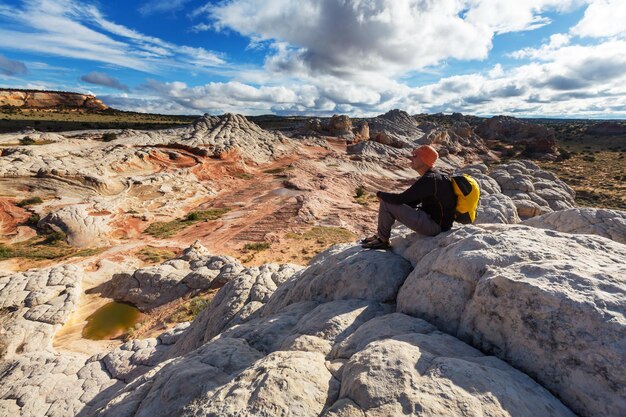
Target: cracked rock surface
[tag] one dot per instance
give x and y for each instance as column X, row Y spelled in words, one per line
column 499, row 320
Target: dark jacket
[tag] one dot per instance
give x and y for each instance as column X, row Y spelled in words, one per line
column 433, row 193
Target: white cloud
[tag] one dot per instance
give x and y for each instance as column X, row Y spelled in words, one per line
column 349, row 38
column 557, row 41
column 502, row 16
column 568, row 81
column 75, row 29
column 603, row 18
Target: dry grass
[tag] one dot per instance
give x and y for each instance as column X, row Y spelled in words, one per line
column 169, row 229
column 44, row 247
column 596, row 170
column 151, row 254
column 13, row 120
column 298, row 248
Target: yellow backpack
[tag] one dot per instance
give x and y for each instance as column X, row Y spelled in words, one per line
column 467, row 196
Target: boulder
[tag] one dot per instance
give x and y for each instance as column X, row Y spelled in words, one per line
column 363, row 131
column 436, row 374
column 82, row 229
column 340, row 125
column 533, row 190
column 395, row 128
column 236, row 302
column 260, row 390
column 459, row 140
column 343, row 272
column 585, row 220
column 195, row 270
column 550, row 304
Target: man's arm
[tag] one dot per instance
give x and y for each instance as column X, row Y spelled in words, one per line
column 422, row 188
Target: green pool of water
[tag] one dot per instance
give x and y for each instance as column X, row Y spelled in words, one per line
column 111, row 320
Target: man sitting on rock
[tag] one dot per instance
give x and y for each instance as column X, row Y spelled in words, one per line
column 432, row 192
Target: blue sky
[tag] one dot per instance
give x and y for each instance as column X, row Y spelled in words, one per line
column 532, row 58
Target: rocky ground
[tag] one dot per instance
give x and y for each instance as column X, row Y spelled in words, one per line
column 221, row 232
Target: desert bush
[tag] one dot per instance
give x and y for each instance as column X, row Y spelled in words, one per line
column 29, row 202
column 244, row 175
column 196, row 305
column 155, row 255
column 189, row 311
column 169, row 229
column 257, row 247
column 33, row 220
column 54, row 237
column 564, row 154
column 109, row 136
column 212, row 214
column 360, row 191
column 27, row 140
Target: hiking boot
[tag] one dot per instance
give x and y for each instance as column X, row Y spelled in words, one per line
column 377, row 244
column 368, row 239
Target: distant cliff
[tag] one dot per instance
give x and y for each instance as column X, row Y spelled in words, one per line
column 36, row 99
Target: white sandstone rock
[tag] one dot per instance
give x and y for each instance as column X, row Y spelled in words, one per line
column 344, row 272
column 550, row 304
column 82, row 229
column 602, row 222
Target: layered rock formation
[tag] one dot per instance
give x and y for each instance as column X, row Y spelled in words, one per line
column 373, row 333
column 82, row 229
column 195, row 270
column 533, row 190
column 395, row 128
column 33, row 99
column 538, row 139
column 459, row 144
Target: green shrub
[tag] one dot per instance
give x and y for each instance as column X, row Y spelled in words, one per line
column 109, row 136
column 33, row 220
column 211, row 214
column 564, row 154
column 360, row 191
column 197, row 305
column 4, row 252
column 29, row 202
column 27, row 140
column 169, row 229
column 54, row 237
column 257, row 247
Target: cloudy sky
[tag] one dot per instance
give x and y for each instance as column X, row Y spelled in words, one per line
column 550, row 58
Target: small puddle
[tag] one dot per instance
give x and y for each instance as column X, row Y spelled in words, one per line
column 110, row 321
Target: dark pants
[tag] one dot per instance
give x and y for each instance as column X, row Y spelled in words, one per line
column 414, row 219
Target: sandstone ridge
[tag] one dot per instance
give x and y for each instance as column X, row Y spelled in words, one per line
column 34, row 99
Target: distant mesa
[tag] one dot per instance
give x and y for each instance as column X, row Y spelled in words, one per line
column 537, row 138
column 607, row 129
column 40, row 99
